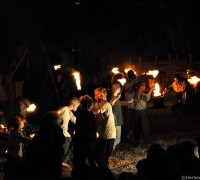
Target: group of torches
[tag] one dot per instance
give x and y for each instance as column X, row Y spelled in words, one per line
column 194, row 80
column 154, row 73
column 31, row 108
column 76, row 75
column 157, row 90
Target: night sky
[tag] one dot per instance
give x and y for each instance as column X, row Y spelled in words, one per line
column 101, row 29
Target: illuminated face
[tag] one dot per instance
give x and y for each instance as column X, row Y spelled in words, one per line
column 143, row 87
column 96, row 96
column 23, row 109
column 118, row 90
column 75, row 107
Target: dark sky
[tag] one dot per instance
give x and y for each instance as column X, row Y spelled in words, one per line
column 102, row 28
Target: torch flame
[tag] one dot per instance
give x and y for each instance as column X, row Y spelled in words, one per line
column 115, row 70
column 97, row 134
column 56, row 67
column 154, row 73
column 156, row 90
column 31, row 108
column 2, row 126
column 122, row 81
column 78, row 81
column 127, row 70
column 188, row 72
column 194, row 80
column 32, row 135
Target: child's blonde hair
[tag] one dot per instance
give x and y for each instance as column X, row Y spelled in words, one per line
column 74, row 101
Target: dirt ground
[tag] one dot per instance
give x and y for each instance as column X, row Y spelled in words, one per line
column 167, row 127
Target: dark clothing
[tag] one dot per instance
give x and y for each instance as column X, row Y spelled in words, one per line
column 103, row 150
column 117, row 111
column 129, row 120
column 84, row 139
column 44, row 155
column 141, row 126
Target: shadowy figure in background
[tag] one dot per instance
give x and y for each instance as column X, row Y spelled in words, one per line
column 44, row 155
column 186, row 163
column 21, row 112
column 182, row 89
column 14, row 166
column 155, row 166
column 84, row 140
column 104, row 173
column 5, row 109
column 129, row 92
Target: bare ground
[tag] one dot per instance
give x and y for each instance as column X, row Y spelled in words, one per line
column 167, row 128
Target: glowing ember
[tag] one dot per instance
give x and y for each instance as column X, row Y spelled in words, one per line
column 97, row 134
column 74, row 132
column 122, row 81
column 2, row 126
column 188, row 72
column 32, row 135
column 31, row 108
column 194, row 80
column 154, row 73
column 6, row 151
column 115, row 70
column 156, row 90
column 78, row 81
column 56, row 67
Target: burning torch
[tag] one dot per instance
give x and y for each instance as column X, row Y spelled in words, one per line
column 56, row 67
column 31, row 108
column 115, row 70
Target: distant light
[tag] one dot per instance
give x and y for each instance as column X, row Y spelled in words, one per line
column 77, row 3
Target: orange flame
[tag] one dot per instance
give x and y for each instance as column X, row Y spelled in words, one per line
column 97, row 134
column 115, row 70
column 194, row 80
column 56, row 67
column 32, row 135
column 154, row 73
column 156, row 90
column 2, row 126
column 31, row 108
column 188, row 72
column 78, row 81
column 122, row 81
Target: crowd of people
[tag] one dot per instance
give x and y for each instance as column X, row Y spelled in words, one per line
column 96, row 132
